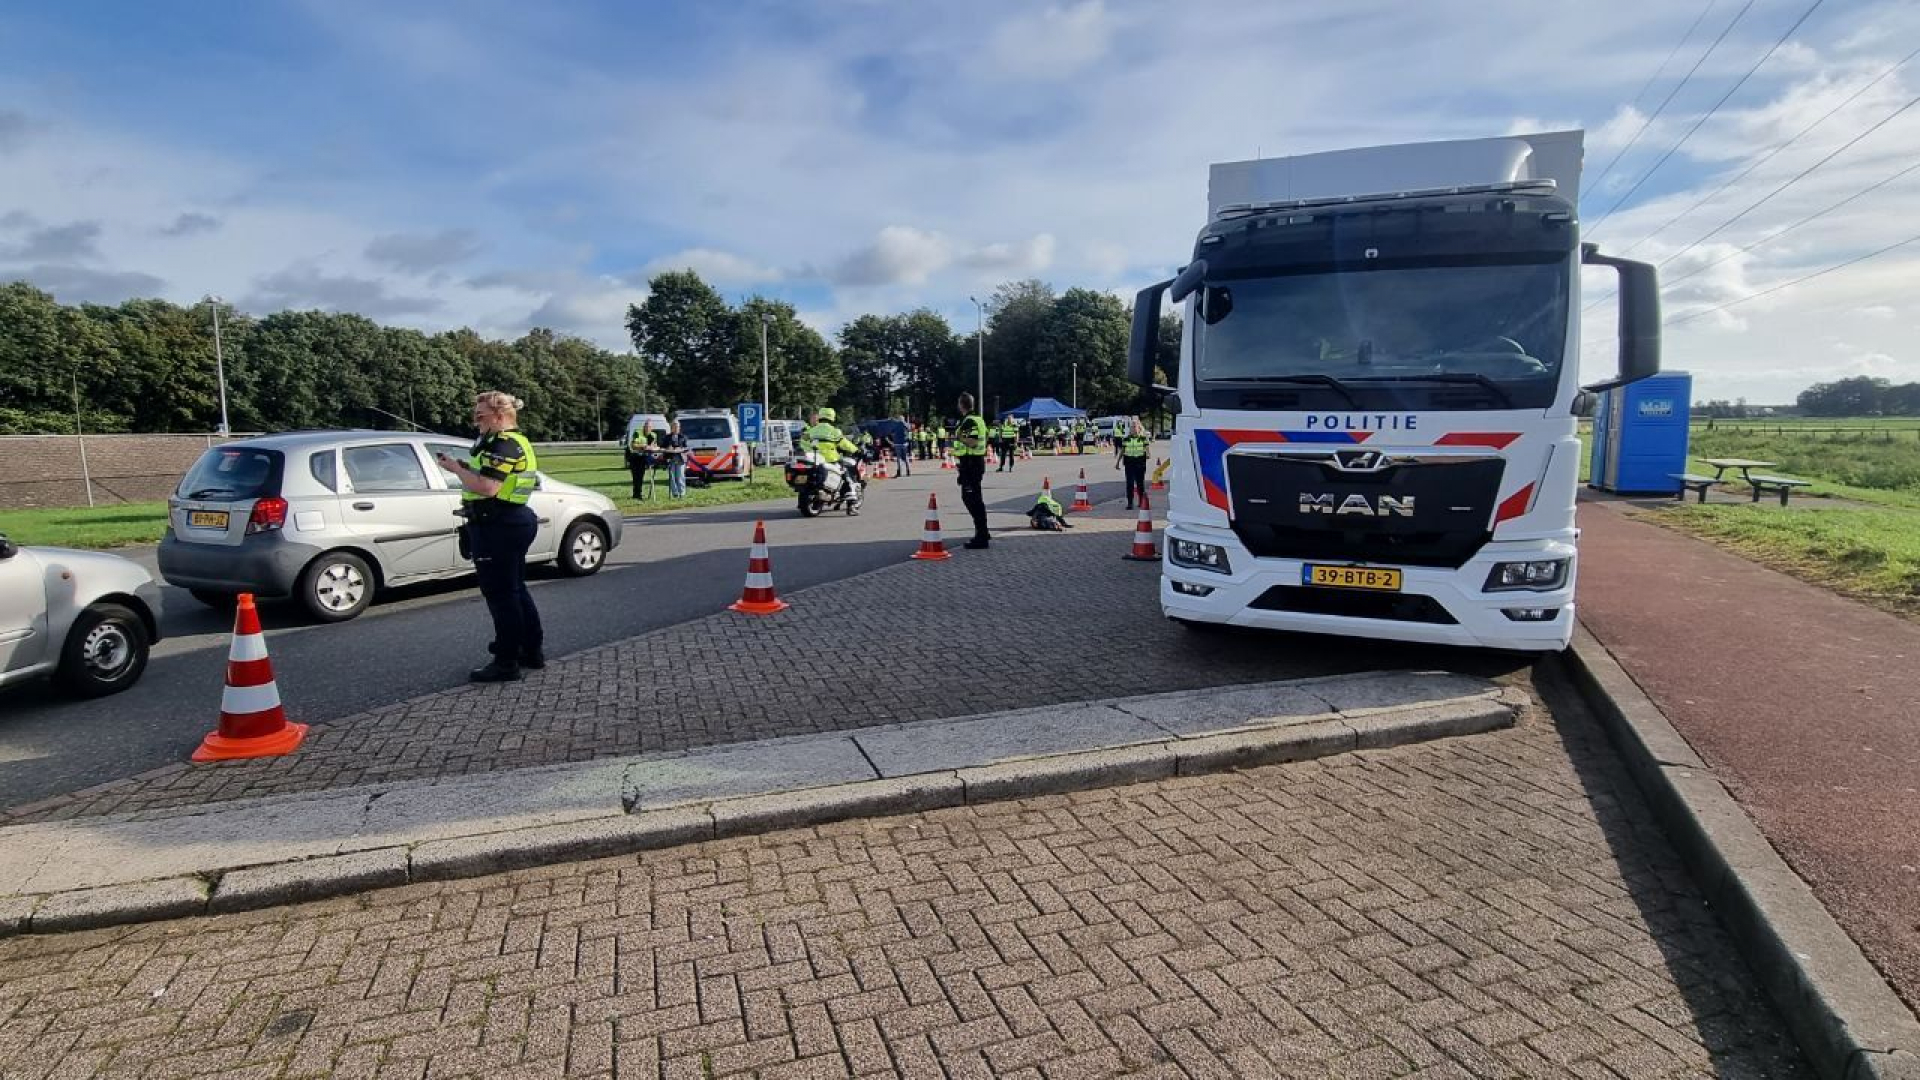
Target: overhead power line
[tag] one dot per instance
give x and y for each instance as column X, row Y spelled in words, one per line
column 1655, row 77
column 1770, row 237
column 1708, row 115
column 1692, row 315
column 1771, row 154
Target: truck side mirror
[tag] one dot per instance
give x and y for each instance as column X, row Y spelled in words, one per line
column 1143, row 346
column 1639, row 300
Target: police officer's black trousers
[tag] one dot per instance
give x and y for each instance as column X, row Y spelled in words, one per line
column 1136, row 468
column 500, row 546
column 973, row 471
column 638, row 467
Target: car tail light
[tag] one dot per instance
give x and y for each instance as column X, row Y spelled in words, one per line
column 269, row 515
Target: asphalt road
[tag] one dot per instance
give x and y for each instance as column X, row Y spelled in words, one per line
column 669, row 568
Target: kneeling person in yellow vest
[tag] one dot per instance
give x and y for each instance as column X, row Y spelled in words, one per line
column 1048, row 515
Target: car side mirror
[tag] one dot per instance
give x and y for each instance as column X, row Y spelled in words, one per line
column 1639, row 299
column 8, row 549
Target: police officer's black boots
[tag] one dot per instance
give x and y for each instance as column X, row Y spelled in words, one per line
column 978, row 543
column 533, row 661
column 495, row 671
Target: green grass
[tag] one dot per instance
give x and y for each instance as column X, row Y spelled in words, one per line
column 86, row 527
column 1870, row 552
column 606, row 472
column 126, row 524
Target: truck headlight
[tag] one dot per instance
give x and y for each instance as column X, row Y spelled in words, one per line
column 1538, row 575
column 1198, row 556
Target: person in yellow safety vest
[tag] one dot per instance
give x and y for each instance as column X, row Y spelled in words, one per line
column 970, row 447
column 1009, row 441
column 1132, row 452
column 827, row 440
column 496, row 480
column 1048, row 515
column 940, row 440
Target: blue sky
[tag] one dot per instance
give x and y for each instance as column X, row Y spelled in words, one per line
column 503, row 165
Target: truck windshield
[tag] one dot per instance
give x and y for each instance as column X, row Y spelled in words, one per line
column 1480, row 336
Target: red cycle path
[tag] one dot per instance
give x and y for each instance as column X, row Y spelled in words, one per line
column 1806, row 704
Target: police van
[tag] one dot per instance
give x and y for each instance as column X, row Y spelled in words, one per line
column 714, row 442
column 643, row 422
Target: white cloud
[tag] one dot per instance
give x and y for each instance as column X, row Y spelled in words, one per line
column 714, row 266
column 1023, row 259
column 899, row 255
column 1054, row 43
column 421, row 252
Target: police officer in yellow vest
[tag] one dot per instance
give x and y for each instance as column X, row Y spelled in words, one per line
column 1132, row 452
column 970, row 448
column 940, row 440
column 497, row 480
column 1009, row 444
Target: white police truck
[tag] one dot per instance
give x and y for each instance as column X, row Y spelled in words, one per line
column 1376, row 393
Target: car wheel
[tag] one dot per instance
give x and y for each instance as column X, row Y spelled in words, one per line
column 583, row 550
column 105, row 651
column 218, row 601
column 336, row 586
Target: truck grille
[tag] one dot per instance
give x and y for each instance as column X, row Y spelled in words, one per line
column 1425, row 512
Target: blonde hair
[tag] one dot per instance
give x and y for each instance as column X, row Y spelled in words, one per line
column 499, row 401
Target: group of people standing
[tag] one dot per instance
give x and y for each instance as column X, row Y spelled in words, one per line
column 650, row 450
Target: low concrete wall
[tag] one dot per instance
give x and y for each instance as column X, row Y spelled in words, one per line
column 47, row 470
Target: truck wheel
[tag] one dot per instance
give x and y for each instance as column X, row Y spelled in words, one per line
column 583, row 550
column 336, row 587
column 105, row 652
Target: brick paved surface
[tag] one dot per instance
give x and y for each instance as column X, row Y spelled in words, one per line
column 1491, row 906
column 1048, row 617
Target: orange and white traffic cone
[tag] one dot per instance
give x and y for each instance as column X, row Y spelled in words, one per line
column 252, row 723
column 758, row 597
column 1046, row 486
column 880, row 469
column 946, row 462
column 932, row 547
column 1143, row 536
column 1080, row 501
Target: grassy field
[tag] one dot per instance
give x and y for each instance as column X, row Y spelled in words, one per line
column 1856, row 530
column 127, row 524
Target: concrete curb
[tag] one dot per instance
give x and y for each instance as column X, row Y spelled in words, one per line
column 1850, row 1024
column 329, row 876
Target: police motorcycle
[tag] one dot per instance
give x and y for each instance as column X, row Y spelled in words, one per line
column 823, row 485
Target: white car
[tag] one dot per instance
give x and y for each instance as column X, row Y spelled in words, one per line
column 86, row 618
column 332, row 518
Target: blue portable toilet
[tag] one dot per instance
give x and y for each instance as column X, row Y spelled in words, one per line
column 1640, row 435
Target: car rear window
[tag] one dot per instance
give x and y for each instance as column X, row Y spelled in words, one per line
column 233, row 473
column 706, row 428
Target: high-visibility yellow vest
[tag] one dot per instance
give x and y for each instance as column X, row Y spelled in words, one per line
column 506, row 456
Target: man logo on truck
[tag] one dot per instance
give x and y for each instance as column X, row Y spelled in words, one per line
column 1389, row 506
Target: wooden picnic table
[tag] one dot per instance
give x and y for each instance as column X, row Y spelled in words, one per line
column 1745, row 465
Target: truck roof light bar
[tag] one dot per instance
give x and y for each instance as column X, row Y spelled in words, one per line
column 1510, row 187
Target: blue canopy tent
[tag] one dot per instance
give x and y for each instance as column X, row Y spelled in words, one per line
column 1044, row 408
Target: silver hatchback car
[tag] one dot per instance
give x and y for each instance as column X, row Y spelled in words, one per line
column 332, row 517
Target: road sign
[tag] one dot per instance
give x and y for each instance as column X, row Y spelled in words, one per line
column 749, row 420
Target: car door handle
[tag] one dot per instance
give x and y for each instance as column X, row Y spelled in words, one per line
column 363, row 506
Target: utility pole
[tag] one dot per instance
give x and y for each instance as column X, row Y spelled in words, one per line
column 980, row 339
column 766, row 393
column 1076, row 385
column 219, row 364
column 86, row 473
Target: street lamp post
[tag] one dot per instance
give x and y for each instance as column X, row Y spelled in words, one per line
column 1076, row 385
column 766, row 416
column 219, row 364
column 980, row 371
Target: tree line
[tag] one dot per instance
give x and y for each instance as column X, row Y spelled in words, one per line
column 149, row 366
column 1862, row 395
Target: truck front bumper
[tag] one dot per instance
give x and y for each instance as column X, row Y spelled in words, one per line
column 1435, row 605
